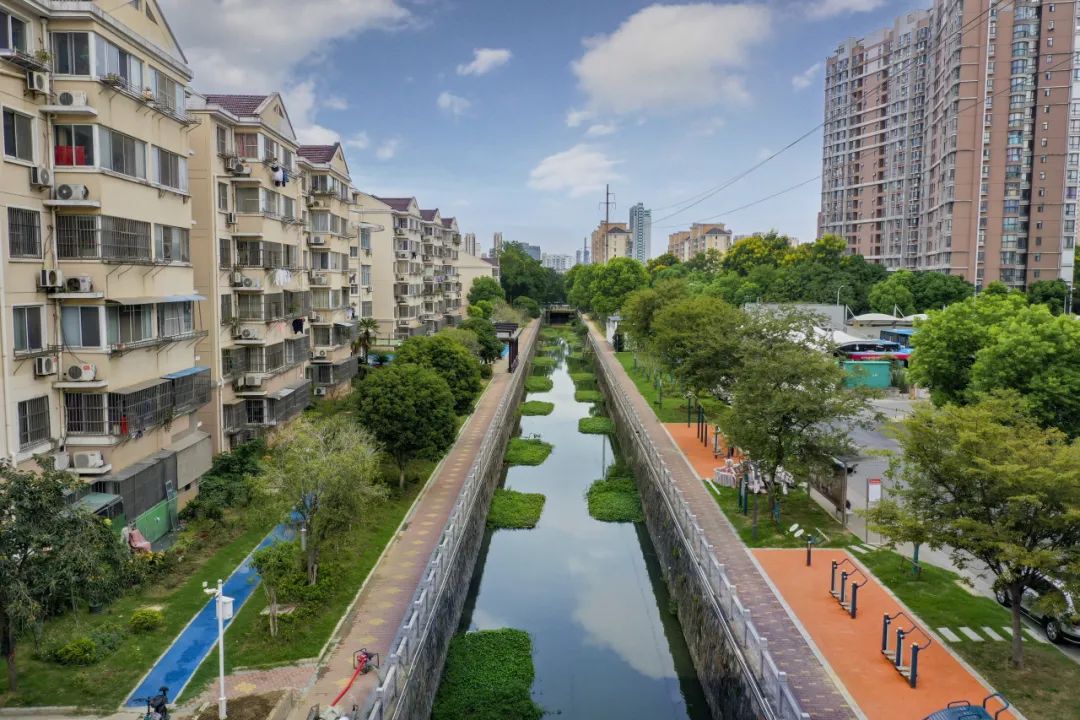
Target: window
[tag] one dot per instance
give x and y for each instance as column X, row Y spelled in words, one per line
column 226, row 309
column 366, row 308
column 128, row 323
column 247, row 200
column 271, row 146
column 29, row 334
column 167, row 92
column 18, row 135
column 33, row 422
column 222, row 139
column 174, row 319
column 12, row 32
column 24, row 233
column 123, row 154
column 81, row 326
column 222, row 196
column 71, row 53
column 74, row 145
column 171, row 169
column 365, row 275
column 84, row 413
column 247, row 145
column 112, row 61
column 172, row 244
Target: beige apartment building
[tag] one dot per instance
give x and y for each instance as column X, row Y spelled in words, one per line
column 611, row 240
column 252, row 263
column 685, row 244
column 99, row 306
column 952, row 142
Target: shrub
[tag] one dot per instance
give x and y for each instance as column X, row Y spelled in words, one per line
column 488, row 676
column 486, row 371
column 538, row 383
column 77, row 651
column 596, row 426
column 588, row 396
column 515, row 510
column 146, row 620
column 900, row 379
column 107, row 637
column 537, row 407
column 530, row 451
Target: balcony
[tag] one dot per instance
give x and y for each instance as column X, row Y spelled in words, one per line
column 145, row 95
column 120, row 348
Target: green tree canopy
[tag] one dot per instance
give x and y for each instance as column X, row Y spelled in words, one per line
column 485, row 288
column 580, row 280
column 1051, row 293
column 614, row 281
column 699, row 340
column 934, row 290
column 667, row 260
column 452, row 361
column 410, row 411
column 748, row 253
column 527, row 305
column 488, row 339
column 463, row 337
column 276, row 564
column 892, row 293
column 522, row 274
column 708, row 262
column 987, row 483
column 640, row 307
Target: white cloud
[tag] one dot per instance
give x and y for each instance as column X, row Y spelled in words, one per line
column 574, row 118
column 254, row 45
column 453, row 104
column 336, row 102
column 301, row 103
column 601, row 129
column 709, row 126
column 359, row 141
column 671, row 57
column 806, row 78
column 388, row 149
column 485, row 60
column 821, row 9
column 580, row 170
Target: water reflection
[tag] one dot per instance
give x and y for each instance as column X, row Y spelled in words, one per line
column 589, row 593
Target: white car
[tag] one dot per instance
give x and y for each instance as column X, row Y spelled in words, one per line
column 1057, row 628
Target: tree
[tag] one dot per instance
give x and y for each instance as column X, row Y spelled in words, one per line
column 641, row 306
column 698, row 340
column 935, row 290
column 522, row 274
column 464, row 338
column 485, row 288
column 707, row 262
column 276, row 564
column 748, row 253
column 667, row 260
column 480, row 309
column 51, row 552
column 892, row 293
column 490, row 344
column 789, row 407
column 324, row 474
column 580, row 280
column 990, row 485
column 410, row 411
column 615, row 280
column 525, row 304
column 368, row 329
column 1051, row 293
column 452, row 361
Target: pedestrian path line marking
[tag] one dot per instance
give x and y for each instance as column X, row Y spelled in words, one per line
column 858, row 549
column 989, row 632
column 974, row 636
column 948, row 634
column 1035, row 636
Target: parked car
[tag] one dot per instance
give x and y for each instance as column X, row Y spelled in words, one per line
column 1057, row 628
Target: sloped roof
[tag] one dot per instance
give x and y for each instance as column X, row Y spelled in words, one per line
column 399, row 204
column 317, row 153
column 429, row 215
column 245, row 105
column 448, row 222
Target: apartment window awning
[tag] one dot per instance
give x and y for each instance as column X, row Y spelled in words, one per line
column 148, row 299
column 144, row 385
column 189, row 371
column 95, row 502
column 289, row 389
column 370, row 226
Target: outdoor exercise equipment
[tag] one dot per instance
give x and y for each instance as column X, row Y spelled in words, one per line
column 846, row 594
column 963, row 710
column 895, row 654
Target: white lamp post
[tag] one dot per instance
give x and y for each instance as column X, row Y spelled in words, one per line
column 223, row 609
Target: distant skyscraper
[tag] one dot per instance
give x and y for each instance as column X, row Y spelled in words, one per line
column 496, row 244
column 641, row 232
column 532, row 251
column 470, row 244
column 558, row 262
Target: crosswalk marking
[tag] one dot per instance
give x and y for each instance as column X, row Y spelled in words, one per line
column 869, row 548
column 1008, row 631
column 1035, row 636
column 858, row 549
column 989, row 631
column 948, row 634
column 974, row 636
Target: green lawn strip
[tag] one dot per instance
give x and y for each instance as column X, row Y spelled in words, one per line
column 673, row 408
column 584, row 380
column 615, row 498
column 522, row 451
column 596, row 425
column 537, row 407
column 344, row 568
column 795, row 507
column 488, row 676
column 106, row 683
column 1045, row 688
column 538, row 383
column 514, row 510
column 588, row 396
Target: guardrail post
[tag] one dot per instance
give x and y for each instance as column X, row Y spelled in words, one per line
column 899, row 647
column 912, row 678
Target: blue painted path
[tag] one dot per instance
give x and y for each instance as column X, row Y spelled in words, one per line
column 175, row 668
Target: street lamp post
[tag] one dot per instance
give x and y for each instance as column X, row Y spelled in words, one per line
column 223, row 610
column 838, row 293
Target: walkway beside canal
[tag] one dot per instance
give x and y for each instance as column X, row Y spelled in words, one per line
column 810, row 679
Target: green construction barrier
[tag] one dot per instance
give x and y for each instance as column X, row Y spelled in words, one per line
column 868, row 373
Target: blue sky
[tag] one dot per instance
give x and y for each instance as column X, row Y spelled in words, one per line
column 511, row 114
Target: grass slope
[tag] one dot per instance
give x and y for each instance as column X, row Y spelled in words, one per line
column 596, row 426
column 488, row 676
column 512, row 510
column 537, row 407
column 795, row 507
column 530, row 451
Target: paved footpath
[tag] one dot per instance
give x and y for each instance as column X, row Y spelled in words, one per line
column 810, row 681
column 385, row 599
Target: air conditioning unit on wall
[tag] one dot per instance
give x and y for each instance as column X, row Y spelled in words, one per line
column 81, row 372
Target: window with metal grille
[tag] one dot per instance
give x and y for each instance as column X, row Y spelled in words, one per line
column 222, row 197
column 226, row 309
column 274, row 306
column 247, row 199
column 76, row 236
column 321, row 374
column 233, row 361
column 33, row 421
column 172, row 244
column 191, row 391
column 124, row 239
column 256, row 412
column 84, row 413
column 296, row 350
column 249, row 307
column 235, row 415
column 175, row 319
column 274, row 357
column 141, row 409
column 24, row 233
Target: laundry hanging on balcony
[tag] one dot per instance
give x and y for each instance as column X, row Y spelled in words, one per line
column 281, row 277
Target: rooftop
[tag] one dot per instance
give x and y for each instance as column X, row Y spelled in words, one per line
column 317, row 153
column 238, row 104
column 399, row 204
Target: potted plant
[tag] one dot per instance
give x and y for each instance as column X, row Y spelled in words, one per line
column 43, row 56
column 114, row 80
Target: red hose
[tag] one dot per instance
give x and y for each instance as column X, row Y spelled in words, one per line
column 359, row 669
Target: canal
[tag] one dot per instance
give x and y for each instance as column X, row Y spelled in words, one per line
column 590, row 593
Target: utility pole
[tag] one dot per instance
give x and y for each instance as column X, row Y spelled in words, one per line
column 608, row 204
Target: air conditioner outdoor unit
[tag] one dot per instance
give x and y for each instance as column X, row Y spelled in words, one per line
column 234, row 165
column 248, row 334
column 80, row 284
column 252, row 380
column 37, row 82
column 72, row 192
column 44, row 366
column 317, row 240
column 50, row 279
column 367, row 288
column 230, row 218
column 320, row 353
column 82, row 372
column 40, row 177
column 316, row 317
column 88, row 460
column 71, row 99
column 320, row 391
column 251, row 283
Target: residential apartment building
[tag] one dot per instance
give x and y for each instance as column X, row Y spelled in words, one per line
column 701, row 237
column 641, row 232
column 609, row 241
column 952, row 142
column 558, row 262
column 252, row 264
column 99, row 308
column 532, row 251
column 469, row 268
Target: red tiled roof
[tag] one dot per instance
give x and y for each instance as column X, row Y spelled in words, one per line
column 428, row 215
column 399, row 204
column 317, row 153
column 238, row 104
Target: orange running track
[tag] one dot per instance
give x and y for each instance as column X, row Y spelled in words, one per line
column 852, row 647
column 700, row 456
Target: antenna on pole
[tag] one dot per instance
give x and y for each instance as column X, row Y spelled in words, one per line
column 608, row 204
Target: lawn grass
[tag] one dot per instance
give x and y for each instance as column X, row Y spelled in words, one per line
column 513, row 510
column 538, row 383
column 347, row 562
column 615, row 498
column 105, row 684
column 488, row 676
column 795, row 507
column 673, row 408
column 588, row 396
column 583, row 380
column 537, row 407
column 531, row 451
column 543, row 362
column 596, row 425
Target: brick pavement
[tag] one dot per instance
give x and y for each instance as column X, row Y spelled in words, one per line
column 374, row 619
column 810, row 681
